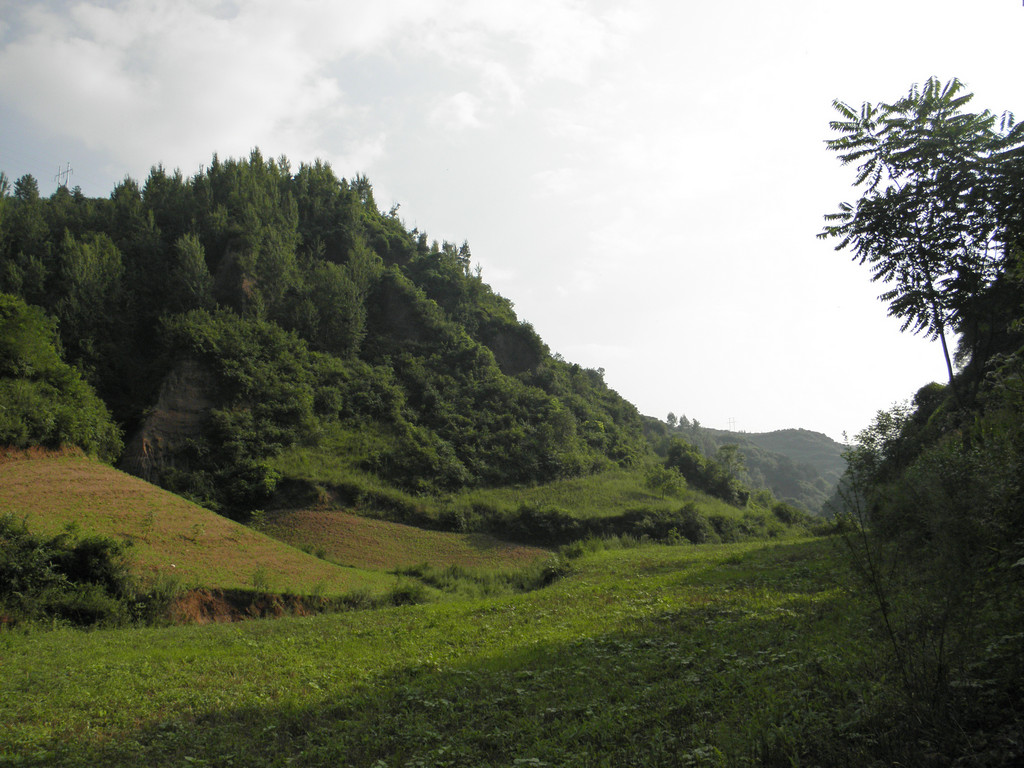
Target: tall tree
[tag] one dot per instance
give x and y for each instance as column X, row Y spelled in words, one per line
column 932, row 218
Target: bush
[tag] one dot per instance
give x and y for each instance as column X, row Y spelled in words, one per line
column 788, row 514
column 45, row 401
column 694, row 527
column 727, row 529
column 549, row 525
column 78, row 581
column 87, row 605
column 407, row 593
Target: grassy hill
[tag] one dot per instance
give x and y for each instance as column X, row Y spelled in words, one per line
column 362, row 542
column 615, row 502
column 170, row 536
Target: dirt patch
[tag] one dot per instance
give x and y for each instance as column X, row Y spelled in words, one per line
column 220, row 606
column 10, row 453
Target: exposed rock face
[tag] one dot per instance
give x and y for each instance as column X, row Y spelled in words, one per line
column 181, row 413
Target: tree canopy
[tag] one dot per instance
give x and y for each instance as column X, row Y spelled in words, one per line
column 43, row 400
column 935, row 218
column 312, row 316
column 932, row 500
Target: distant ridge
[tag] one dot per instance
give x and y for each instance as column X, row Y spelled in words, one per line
column 804, row 447
column 798, row 466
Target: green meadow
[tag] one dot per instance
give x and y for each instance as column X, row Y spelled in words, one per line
column 730, row 655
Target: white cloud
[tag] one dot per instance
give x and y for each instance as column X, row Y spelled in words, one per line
column 559, row 183
column 174, row 80
column 620, row 166
column 457, row 112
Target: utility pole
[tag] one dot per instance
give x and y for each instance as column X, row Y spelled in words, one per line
column 63, row 174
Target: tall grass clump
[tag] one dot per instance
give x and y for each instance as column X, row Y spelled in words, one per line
column 460, row 581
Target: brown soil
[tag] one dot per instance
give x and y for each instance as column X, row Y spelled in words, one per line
column 219, row 606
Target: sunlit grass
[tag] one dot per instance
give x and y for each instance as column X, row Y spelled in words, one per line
column 606, row 494
column 169, row 536
column 602, row 495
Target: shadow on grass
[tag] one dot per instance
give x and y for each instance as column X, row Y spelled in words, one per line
column 712, row 684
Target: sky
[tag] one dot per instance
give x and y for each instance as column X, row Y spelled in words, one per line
column 643, row 179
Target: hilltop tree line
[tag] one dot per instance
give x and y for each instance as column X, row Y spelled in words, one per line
column 309, row 314
column 933, row 500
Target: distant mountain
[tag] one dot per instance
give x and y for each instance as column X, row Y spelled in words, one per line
column 804, row 447
column 798, row 466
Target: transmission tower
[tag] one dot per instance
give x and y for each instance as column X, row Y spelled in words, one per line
column 63, row 174
column 732, row 424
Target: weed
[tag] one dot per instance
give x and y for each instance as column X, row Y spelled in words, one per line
column 261, row 581
column 407, row 593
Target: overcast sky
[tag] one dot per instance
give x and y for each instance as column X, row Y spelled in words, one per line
column 644, row 179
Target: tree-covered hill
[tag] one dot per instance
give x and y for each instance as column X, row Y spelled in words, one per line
column 253, row 307
column 798, row 466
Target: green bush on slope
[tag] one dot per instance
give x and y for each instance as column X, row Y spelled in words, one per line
column 44, row 401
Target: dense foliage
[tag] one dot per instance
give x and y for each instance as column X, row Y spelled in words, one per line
column 933, row 496
column 65, row 578
column 310, row 314
column 44, row 401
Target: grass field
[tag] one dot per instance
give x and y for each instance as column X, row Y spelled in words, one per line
column 366, row 543
column 169, row 535
column 639, row 654
column 725, row 655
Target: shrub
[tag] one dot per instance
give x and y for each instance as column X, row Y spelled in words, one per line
column 694, row 527
column 728, row 529
column 537, row 524
column 407, row 593
column 45, row 401
column 79, row 581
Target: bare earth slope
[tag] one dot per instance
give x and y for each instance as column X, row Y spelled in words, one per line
column 169, row 534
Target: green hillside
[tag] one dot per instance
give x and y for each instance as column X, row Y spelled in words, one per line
column 170, row 537
column 253, row 309
column 603, row 589
column 797, row 466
